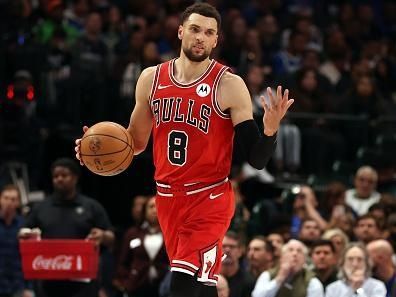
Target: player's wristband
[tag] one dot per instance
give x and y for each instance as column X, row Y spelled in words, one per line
column 257, row 148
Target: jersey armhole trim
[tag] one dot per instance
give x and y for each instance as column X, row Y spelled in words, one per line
column 215, row 103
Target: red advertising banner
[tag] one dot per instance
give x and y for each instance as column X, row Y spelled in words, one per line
column 59, row 259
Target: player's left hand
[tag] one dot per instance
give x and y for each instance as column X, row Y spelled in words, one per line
column 275, row 109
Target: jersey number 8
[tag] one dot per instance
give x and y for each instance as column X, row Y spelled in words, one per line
column 177, row 147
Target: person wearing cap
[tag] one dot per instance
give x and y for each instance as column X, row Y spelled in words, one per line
column 68, row 214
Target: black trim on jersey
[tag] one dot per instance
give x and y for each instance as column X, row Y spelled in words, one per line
column 198, row 80
column 257, row 148
column 214, row 94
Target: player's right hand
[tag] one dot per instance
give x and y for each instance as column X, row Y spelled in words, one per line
column 77, row 147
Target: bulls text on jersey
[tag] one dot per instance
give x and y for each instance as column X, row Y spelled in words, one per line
column 167, row 110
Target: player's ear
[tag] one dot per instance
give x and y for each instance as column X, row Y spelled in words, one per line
column 217, row 38
column 180, row 32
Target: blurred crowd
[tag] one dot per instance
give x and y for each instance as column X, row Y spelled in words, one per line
column 310, row 221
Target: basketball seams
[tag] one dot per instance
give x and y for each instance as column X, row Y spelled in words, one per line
column 111, row 136
column 124, row 131
column 102, row 139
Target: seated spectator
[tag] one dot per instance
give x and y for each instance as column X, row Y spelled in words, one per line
column 364, row 194
column 333, row 196
column 143, row 262
column 241, row 215
column 355, row 271
column 305, row 208
column 239, row 281
column 391, row 224
column 343, row 218
column 324, row 261
column 381, row 253
column 379, row 212
column 137, row 209
column 11, row 277
column 277, row 242
column 222, row 287
column 339, row 239
column 309, row 232
column 260, row 255
column 68, row 214
column 290, row 278
column 367, row 229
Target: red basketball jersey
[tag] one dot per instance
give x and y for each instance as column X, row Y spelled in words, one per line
column 192, row 137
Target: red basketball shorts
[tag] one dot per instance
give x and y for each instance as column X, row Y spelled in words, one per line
column 193, row 224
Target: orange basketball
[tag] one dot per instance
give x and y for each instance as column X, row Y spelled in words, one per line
column 106, row 148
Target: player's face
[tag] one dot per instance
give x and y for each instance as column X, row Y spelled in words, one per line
column 199, row 36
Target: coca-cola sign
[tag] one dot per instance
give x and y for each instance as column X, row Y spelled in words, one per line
column 57, row 263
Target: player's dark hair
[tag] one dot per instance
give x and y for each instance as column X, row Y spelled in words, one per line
column 204, row 9
column 67, row 163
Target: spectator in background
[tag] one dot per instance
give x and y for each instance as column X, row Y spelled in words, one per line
column 381, row 255
column 260, row 256
column 333, row 196
column 143, row 262
column 68, row 214
column 391, row 226
column 269, row 32
column 277, row 242
column 235, row 38
column 379, row 212
column 314, row 99
column 339, row 240
column 222, row 287
column 137, row 210
column 291, row 277
column 77, row 13
column 89, row 71
column 367, row 229
column 239, row 281
column 355, row 271
column 289, row 60
column 361, row 100
column 309, row 232
column 55, row 21
column 364, row 194
column 241, row 215
column 304, row 208
column 12, row 283
column 323, row 255
column 343, row 219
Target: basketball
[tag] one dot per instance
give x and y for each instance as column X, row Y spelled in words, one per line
column 106, row 148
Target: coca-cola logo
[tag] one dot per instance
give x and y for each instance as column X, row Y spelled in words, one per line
column 60, row 262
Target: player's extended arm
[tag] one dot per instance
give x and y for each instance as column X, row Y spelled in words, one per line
column 140, row 124
column 258, row 147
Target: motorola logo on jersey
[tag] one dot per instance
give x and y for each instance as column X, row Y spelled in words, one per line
column 203, row 90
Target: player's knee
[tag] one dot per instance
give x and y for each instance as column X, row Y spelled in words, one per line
column 184, row 285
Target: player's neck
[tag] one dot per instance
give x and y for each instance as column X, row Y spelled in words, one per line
column 187, row 71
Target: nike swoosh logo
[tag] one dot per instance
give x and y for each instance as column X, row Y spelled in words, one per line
column 160, row 87
column 211, row 196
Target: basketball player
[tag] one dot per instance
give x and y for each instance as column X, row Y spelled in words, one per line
column 194, row 106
